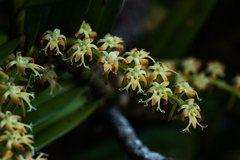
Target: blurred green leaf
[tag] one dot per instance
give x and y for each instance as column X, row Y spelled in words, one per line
column 40, row 2
column 50, row 107
column 7, row 48
column 73, row 107
column 64, row 125
column 68, row 17
column 32, row 22
column 176, row 33
column 102, row 15
column 3, row 35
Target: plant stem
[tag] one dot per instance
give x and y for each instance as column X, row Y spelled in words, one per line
column 172, row 111
column 17, row 78
column 231, row 101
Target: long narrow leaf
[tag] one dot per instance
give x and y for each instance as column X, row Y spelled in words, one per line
column 64, row 125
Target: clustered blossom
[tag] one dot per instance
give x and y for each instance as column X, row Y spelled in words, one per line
column 139, row 57
column 133, row 78
column 16, row 139
column 184, row 87
column 201, row 81
column 158, row 91
column 86, row 30
column 81, row 47
column 110, row 60
column 15, row 93
column 14, row 133
column 110, row 41
column 160, row 69
column 50, row 75
column 191, row 65
column 215, row 69
column 11, row 122
column 54, row 39
column 191, row 110
column 22, row 63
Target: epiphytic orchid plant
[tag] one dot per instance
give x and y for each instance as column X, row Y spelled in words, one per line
column 46, row 57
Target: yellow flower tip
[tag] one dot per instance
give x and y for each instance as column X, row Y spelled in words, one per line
column 86, row 29
column 110, row 61
column 111, row 42
column 54, row 39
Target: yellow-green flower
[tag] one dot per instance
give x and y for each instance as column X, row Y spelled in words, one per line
column 216, row 68
column 50, row 75
column 160, row 69
column 81, row 47
column 86, row 30
column 139, row 57
column 184, row 87
column 15, row 92
column 11, row 122
column 16, row 139
column 54, row 39
column 191, row 65
column 22, row 63
column 191, row 110
column 133, row 78
column 28, row 156
column 201, row 81
column 110, row 60
column 110, row 41
column 158, row 91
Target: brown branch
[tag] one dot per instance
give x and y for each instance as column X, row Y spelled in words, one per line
column 129, row 140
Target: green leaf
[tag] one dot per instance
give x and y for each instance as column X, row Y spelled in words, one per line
column 40, row 2
column 102, row 15
column 51, row 107
column 73, row 107
column 177, row 31
column 68, row 17
column 3, row 35
column 32, row 23
column 7, row 48
column 64, row 125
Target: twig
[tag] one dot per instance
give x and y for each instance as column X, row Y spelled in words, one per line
column 129, row 140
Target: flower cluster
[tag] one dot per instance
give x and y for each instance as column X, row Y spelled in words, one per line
column 14, row 135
